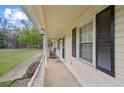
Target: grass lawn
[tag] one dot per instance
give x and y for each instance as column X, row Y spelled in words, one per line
column 10, row 58
column 5, row 84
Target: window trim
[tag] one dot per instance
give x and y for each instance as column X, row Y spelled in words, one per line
column 85, row 22
column 112, row 72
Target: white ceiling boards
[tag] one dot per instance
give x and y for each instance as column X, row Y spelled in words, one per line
column 54, row 18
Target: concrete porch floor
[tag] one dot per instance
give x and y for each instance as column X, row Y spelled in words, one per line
column 58, row 75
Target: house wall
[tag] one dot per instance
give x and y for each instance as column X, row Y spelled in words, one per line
column 87, row 74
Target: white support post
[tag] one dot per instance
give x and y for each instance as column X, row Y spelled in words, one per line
column 45, row 48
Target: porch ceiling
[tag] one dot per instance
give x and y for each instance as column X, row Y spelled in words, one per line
column 54, row 18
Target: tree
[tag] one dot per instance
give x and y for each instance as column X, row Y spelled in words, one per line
column 3, row 24
column 2, row 45
column 35, row 39
column 26, row 36
column 30, row 37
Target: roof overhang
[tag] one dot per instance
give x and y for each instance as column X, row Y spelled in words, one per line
column 35, row 14
column 54, row 18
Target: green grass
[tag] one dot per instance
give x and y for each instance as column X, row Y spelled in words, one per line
column 5, row 84
column 10, row 58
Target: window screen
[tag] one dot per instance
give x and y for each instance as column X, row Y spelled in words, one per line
column 105, row 40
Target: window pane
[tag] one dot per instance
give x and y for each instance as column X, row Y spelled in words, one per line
column 90, row 30
column 86, row 51
column 89, row 57
column 86, row 32
column 80, row 35
column 103, row 26
column 104, row 56
column 83, row 34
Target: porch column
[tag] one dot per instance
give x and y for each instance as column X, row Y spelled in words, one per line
column 45, row 47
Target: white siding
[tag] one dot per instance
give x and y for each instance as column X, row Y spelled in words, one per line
column 89, row 75
column 119, row 43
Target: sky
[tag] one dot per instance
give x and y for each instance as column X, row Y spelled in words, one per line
column 13, row 13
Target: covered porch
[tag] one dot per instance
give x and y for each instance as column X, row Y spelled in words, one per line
column 52, row 21
column 88, row 41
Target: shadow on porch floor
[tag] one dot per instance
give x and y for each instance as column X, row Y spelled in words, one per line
column 58, row 75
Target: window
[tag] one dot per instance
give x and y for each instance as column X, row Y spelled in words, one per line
column 74, row 42
column 86, row 42
column 105, row 41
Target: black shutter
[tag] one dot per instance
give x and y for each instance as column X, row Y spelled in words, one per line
column 63, row 47
column 58, row 43
column 74, row 42
column 105, row 41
